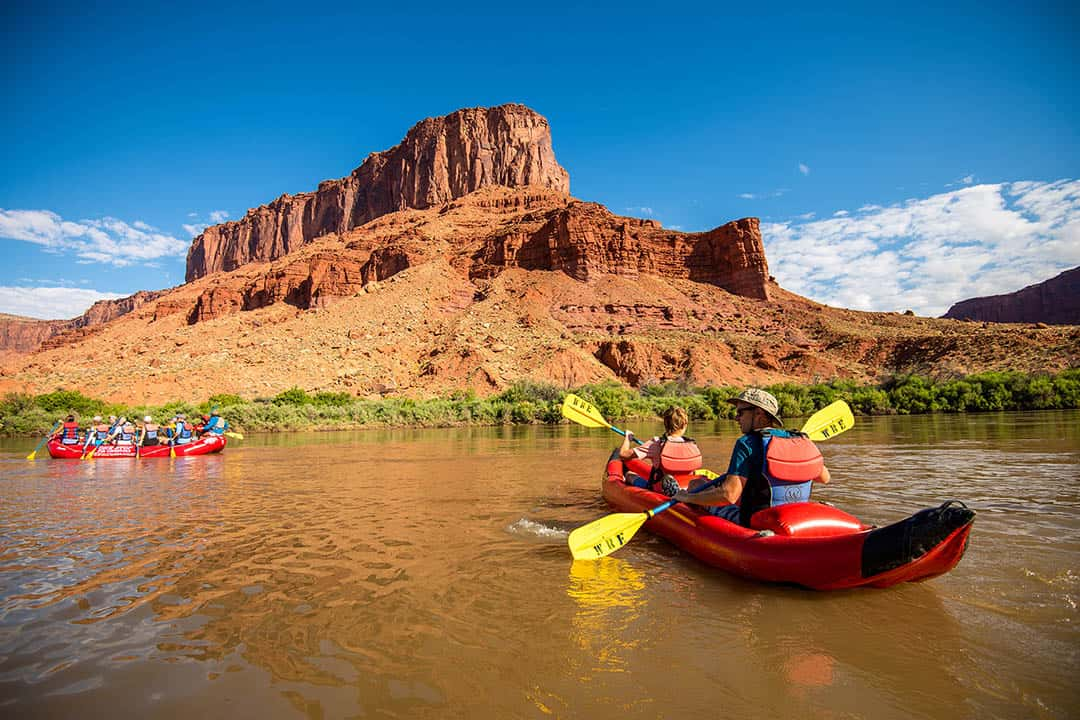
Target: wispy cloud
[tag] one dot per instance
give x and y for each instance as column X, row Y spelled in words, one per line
column 804, row 169
column 49, row 303
column 966, row 180
column 763, row 195
column 645, row 211
column 926, row 254
column 215, row 217
column 106, row 240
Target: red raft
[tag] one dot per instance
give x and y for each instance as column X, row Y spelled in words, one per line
column 203, row 446
column 809, row 544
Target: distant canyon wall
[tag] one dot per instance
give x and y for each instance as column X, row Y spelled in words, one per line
column 1055, row 301
column 24, row 335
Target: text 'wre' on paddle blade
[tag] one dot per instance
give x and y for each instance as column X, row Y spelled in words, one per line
column 829, row 421
column 581, row 412
column 604, row 536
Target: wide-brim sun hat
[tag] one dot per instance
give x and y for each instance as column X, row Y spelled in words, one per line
column 759, row 399
column 148, row 419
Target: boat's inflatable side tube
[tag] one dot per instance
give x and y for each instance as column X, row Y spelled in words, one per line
column 902, row 542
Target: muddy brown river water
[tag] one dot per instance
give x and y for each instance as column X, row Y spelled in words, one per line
column 424, row 574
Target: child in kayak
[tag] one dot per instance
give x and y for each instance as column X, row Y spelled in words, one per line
column 671, row 453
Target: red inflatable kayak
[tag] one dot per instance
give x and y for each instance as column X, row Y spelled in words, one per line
column 809, row 544
column 203, row 446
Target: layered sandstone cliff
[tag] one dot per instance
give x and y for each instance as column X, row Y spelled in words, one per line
column 439, row 160
column 486, row 233
column 1055, row 301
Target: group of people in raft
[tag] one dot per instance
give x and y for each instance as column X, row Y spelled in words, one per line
column 769, row 465
column 145, row 433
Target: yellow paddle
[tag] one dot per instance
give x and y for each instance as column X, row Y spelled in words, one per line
column 33, row 453
column 583, row 413
column 608, row 534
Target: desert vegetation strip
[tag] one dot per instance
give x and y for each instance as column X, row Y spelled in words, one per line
column 539, row 403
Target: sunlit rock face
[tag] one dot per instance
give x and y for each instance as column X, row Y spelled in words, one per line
column 439, row 160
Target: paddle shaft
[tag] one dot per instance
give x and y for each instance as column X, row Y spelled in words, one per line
column 33, row 453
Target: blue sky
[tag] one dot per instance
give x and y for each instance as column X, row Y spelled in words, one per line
column 898, row 157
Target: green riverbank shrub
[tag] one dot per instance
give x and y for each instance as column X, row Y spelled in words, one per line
column 529, row 402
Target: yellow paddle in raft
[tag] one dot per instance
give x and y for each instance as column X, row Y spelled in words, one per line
column 33, row 453
column 608, row 534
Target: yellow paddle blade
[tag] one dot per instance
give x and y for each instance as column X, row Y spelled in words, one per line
column 234, row 435
column 829, row 421
column 604, row 536
column 32, row 455
column 581, row 412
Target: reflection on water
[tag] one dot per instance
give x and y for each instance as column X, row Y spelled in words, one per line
column 425, row 574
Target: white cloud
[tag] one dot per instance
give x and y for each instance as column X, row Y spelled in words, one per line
column 194, row 230
column 804, row 169
column 967, row 179
column 926, row 254
column 106, row 240
column 49, row 303
column 220, row 216
column 763, row 196
column 646, row 211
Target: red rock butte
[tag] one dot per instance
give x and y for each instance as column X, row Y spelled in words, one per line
column 440, row 159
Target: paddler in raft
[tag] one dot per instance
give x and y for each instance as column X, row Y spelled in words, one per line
column 769, row 465
column 672, row 452
column 148, row 433
column 182, row 433
column 68, row 433
column 96, row 433
column 214, row 424
column 122, row 432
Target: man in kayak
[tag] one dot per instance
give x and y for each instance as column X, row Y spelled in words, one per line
column 672, row 452
column 749, row 485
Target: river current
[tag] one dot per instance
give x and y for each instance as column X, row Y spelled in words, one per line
column 425, row 574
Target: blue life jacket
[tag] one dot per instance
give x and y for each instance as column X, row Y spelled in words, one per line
column 215, row 425
column 183, row 432
column 792, row 463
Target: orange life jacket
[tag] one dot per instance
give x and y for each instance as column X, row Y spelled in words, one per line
column 69, row 435
column 677, row 458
